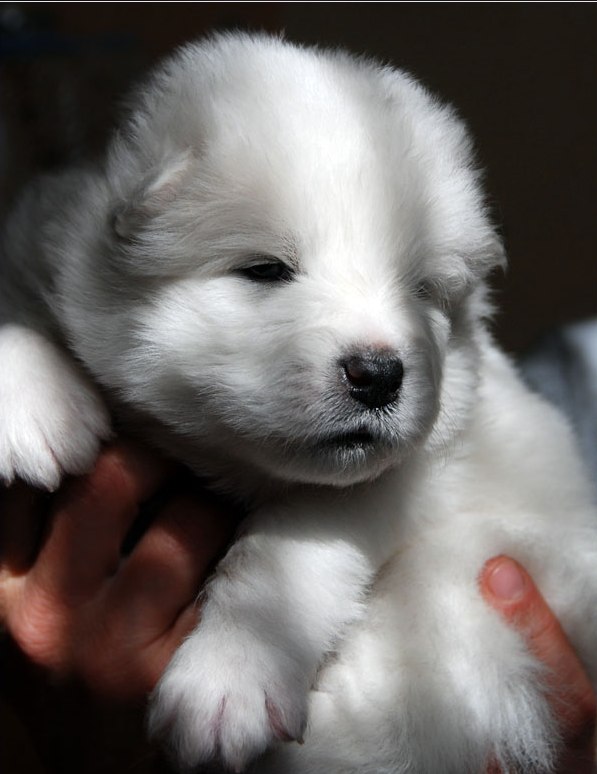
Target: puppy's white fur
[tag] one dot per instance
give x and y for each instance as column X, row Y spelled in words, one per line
column 132, row 276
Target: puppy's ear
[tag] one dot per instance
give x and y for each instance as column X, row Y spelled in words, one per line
column 157, row 189
column 464, row 261
column 489, row 254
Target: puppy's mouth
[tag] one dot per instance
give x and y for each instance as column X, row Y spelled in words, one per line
column 345, row 457
column 358, row 439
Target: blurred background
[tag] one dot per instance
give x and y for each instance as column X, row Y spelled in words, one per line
column 523, row 75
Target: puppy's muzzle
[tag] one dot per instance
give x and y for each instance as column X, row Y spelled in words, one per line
column 373, row 377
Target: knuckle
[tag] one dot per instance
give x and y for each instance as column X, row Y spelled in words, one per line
column 109, row 481
column 111, row 476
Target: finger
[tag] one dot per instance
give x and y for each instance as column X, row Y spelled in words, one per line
column 125, row 673
column 161, row 651
column 149, row 605
column 91, row 517
column 165, row 571
column 510, row 590
column 21, row 524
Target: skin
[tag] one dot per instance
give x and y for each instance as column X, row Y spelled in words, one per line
column 508, row 588
column 80, row 611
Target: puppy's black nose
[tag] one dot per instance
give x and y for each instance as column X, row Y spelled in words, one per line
column 373, row 377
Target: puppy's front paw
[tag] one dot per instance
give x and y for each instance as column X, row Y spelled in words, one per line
column 52, row 419
column 226, row 696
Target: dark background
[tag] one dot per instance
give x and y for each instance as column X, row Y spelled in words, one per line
column 524, row 75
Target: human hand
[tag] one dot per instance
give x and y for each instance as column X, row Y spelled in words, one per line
column 81, row 609
column 78, row 607
column 508, row 588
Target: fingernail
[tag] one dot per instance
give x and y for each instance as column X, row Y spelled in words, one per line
column 505, row 581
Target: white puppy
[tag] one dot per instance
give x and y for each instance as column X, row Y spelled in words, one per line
column 277, row 276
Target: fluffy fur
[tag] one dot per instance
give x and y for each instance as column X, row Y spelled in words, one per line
column 266, row 214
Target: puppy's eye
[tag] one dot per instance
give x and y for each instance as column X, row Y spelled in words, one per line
column 424, row 291
column 267, row 271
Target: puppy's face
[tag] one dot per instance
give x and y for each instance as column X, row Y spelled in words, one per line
column 299, row 281
column 314, row 363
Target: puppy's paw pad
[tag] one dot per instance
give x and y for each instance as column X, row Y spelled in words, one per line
column 52, row 418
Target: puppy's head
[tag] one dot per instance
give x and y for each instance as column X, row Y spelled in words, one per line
column 306, row 243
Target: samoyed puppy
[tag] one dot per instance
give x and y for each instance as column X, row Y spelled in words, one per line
column 277, row 275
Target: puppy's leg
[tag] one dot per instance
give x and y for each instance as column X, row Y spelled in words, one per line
column 51, row 417
column 278, row 603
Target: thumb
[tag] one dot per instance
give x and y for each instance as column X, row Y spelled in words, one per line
column 509, row 589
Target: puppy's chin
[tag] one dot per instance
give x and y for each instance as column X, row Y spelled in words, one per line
column 338, row 462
